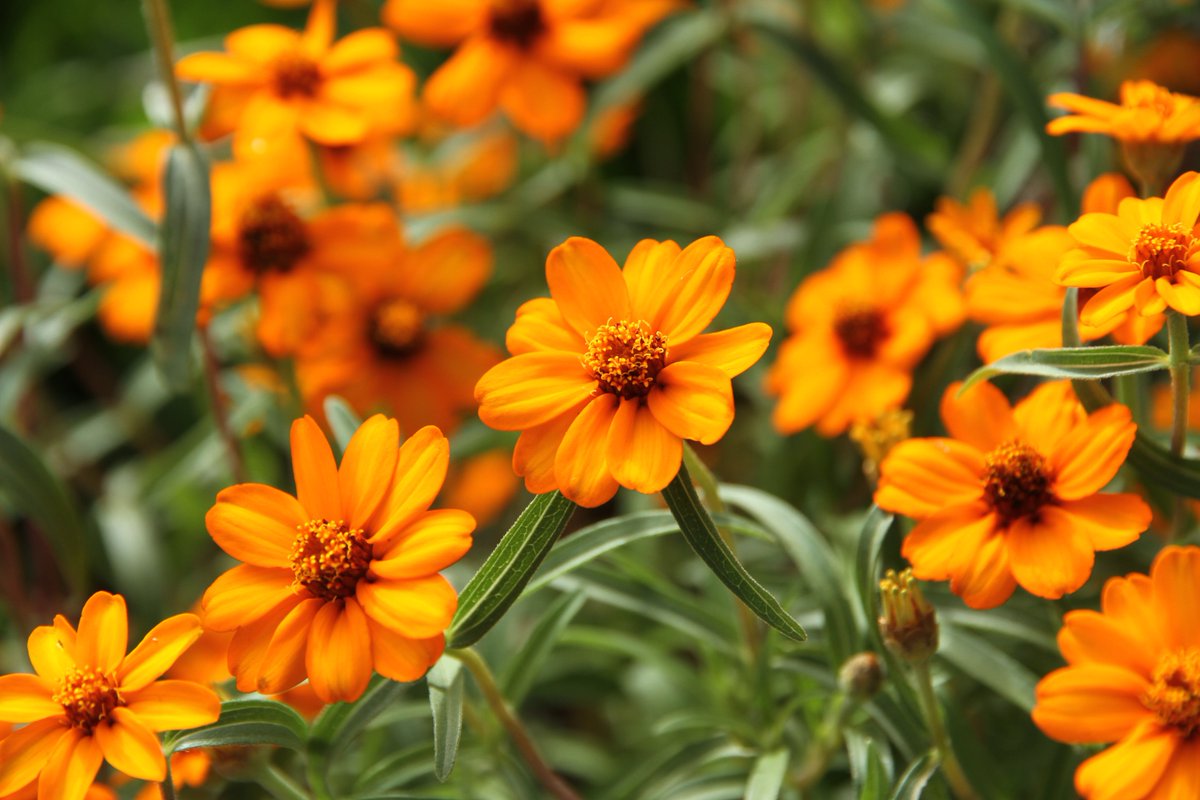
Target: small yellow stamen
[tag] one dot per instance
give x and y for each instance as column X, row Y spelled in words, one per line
column 1162, row 250
column 1175, row 695
column 909, row 624
column 88, row 696
column 329, row 559
column 1017, row 481
column 625, row 357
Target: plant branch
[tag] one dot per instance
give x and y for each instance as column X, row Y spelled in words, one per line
column 220, row 408
column 959, row 785
column 158, row 23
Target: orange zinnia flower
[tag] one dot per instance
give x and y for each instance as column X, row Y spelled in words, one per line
column 859, row 327
column 975, row 233
column 459, row 171
column 611, row 373
column 274, row 82
column 385, row 344
column 343, row 578
column 1013, row 497
column 1147, row 113
column 1133, row 678
column 528, row 57
column 90, row 702
column 1145, row 256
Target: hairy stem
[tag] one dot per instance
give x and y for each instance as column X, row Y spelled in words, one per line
column 220, row 408
column 951, row 769
column 158, row 23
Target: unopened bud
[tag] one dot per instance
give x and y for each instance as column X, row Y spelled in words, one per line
column 908, row 624
column 861, row 676
column 877, row 436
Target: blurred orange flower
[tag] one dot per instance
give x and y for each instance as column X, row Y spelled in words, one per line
column 975, row 233
column 273, row 82
column 611, row 373
column 382, row 345
column 1013, row 497
column 343, row 578
column 859, row 327
column 461, row 170
column 1145, row 256
column 1133, row 678
column 90, row 702
column 1147, row 113
column 482, row 485
column 527, row 57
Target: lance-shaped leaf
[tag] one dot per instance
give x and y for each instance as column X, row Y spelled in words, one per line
column 183, row 251
column 59, row 170
column 337, row 725
column 244, row 722
column 1089, row 363
column 504, row 574
column 342, row 420
column 701, row 533
column 446, row 702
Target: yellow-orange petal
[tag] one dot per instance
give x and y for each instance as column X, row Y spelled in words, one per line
column 130, row 746
column 536, row 449
column 1109, row 520
column 174, row 705
column 338, row 658
column 50, row 652
column 941, row 545
column 592, row 48
column 417, row 608
column 733, row 350
column 581, row 469
column 103, row 632
column 262, row 44
column 649, row 266
column 641, row 454
column 587, row 285
column 1128, row 768
column 693, row 401
column 420, row 472
column 1079, row 269
column 367, row 468
column 400, row 658
column 248, row 646
column 359, row 50
column 466, row 88
column 1102, row 231
column 985, row 580
column 1049, row 557
column 454, row 265
column 1090, row 638
column 980, row 416
column 24, row 752
column 540, row 326
column 1183, row 297
column 244, row 594
column 332, row 124
column 1181, row 779
column 427, row 545
column 803, row 403
column 1048, row 414
column 685, row 306
column 71, row 768
column 532, row 388
column 1113, row 300
column 158, row 650
column 1090, row 703
column 543, row 102
column 25, row 698
column 1176, row 594
column 220, row 68
column 1181, row 204
column 1088, row 457
column 438, row 24
column 315, row 471
column 256, row 523
column 921, row 477
column 283, row 663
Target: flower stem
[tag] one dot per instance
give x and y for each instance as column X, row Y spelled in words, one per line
column 220, row 408
column 158, row 23
column 1177, row 338
column 959, row 785
column 279, row 784
column 829, row 739
column 504, row 714
column 167, row 787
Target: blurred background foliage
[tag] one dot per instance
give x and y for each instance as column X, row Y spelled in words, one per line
column 785, row 128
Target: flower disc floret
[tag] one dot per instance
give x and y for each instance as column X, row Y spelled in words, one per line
column 861, row 331
column 1017, row 481
column 1175, row 695
column 397, row 328
column 296, row 75
column 88, row 696
column 1162, row 250
column 271, row 236
column 625, row 357
column 519, row 22
column 329, row 559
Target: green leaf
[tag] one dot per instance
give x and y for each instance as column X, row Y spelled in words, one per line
column 812, row 556
column 701, row 533
column 531, row 656
column 183, row 249
column 989, row 665
column 870, row 541
column 37, row 492
column 914, row 780
column 244, row 722
column 342, row 420
column 766, row 779
column 445, row 681
column 1074, row 362
column 504, row 574
column 872, row 774
column 337, row 725
column 59, row 170
column 595, row 540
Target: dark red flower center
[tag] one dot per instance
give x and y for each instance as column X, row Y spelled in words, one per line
column 271, row 237
column 518, row 22
column 329, row 558
column 1017, row 481
column 1162, row 250
column 296, row 76
column 397, row 328
column 861, row 331
column 1175, row 695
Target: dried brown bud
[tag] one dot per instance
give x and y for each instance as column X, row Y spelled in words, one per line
column 908, row 624
column 861, row 676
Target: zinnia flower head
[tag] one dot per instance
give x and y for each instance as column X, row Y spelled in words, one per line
column 342, row 578
column 610, row 374
column 1146, row 256
column 90, row 702
column 859, row 327
column 1147, row 113
column 1014, row 496
column 1132, row 678
column 974, row 232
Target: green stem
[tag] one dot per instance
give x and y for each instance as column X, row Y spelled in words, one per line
column 158, row 23
column 282, row 787
column 829, row 739
column 220, row 407
column 959, row 785
column 504, row 714
column 167, row 787
column 1177, row 338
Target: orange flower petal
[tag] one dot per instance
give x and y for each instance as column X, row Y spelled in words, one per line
column 685, row 306
column 733, row 351
column 540, row 326
column 130, row 746
column 283, row 663
column 103, row 632
column 1183, row 297
column 50, row 652
column 1051, row 557
column 174, row 705
column 1181, row 204
column 338, row 659
column 1091, row 638
column 262, row 44
column 581, row 470
column 649, row 266
column 316, row 472
column 532, row 388
column 248, row 647
column 1089, row 456
column 420, row 472
column 536, row 449
column 542, row 101
column 429, row 544
column 321, row 27
column 870, row 389
column 399, row 657
column 1091, row 703
column 72, row 767
column 245, row 594
column 25, row 698
column 359, row 50
column 641, row 454
column 256, row 524
column 803, row 403
column 333, row 124
column 592, row 48
column 980, row 416
column 1048, row 414
column 1128, row 768
column 587, row 285
column 418, row 608
column 158, row 650
column 1101, row 231
column 944, row 544
column 1181, row 779
column 1077, row 269
column 24, row 752
column 455, row 264
column 693, row 401
column 219, row 68
column 438, row 24
column 367, row 468
column 921, row 477
column 466, row 88
column 1177, row 595
column 1109, row 520
column 985, row 580
column 1114, row 299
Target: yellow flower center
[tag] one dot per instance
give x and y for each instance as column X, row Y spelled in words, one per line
column 626, row 357
column 329, row 559
column 1175, row 695
column 1162, row 250
column 296, row 76
column 397, row 328
column 1017, row 482
column 88, row 696
column 861, row 331
column 271, row 237
column 518, row 22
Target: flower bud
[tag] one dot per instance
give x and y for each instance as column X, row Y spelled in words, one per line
column 908, row 624
column 861, row 676
column 877, row 436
